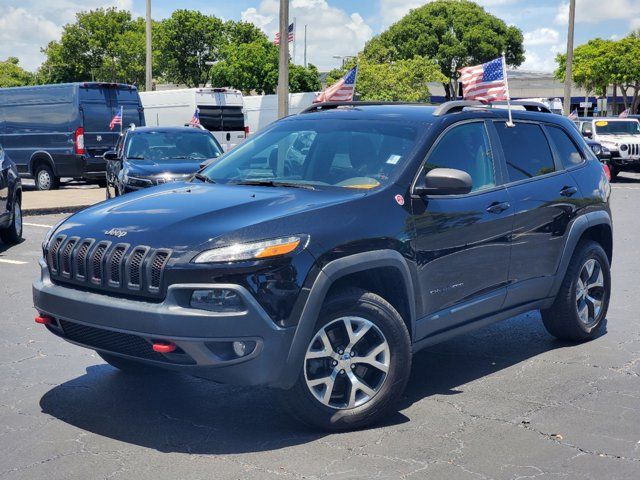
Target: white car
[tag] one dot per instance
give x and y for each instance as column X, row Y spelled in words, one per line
column 621, row 136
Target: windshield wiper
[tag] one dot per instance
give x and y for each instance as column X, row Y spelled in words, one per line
column 203, row 178
column 272, row 183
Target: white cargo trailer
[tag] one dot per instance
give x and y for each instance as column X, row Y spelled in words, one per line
column 262, row 110
column 220, row 111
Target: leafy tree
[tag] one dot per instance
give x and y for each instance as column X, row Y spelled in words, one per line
column 454, row 33
column 304, row 79
column 13, row 75
column 626, row 69
column 102, row 45
column 186, row 42
column 393, row 81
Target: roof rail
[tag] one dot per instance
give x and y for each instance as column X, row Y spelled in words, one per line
column 459, row 105
column 194, row 125
column 317, row 107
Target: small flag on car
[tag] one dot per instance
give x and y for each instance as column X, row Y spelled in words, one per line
column 573, row 115
column 116, row 120
column 195, row 120
column 625, row 113
column 290, row 37
column 342, row 90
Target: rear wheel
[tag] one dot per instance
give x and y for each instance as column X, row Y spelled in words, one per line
column 581, row 305
column 45, row 179
column 613, row 171
column 356, row 365
column 13, row 233
column 128, row 366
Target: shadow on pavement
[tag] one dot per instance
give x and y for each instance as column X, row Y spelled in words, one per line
column 623, row 178
column 173, row 413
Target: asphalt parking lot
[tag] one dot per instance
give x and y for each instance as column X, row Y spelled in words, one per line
column 506, row 402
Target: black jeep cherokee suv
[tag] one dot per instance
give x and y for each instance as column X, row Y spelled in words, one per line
column 320, row 254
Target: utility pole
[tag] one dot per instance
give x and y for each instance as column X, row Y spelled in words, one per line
column 149, row 75
column 305, row 46
column 568, row 70
column 283, row 66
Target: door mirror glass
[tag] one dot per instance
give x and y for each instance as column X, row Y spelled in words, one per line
column 111, row 155
column 445, row 181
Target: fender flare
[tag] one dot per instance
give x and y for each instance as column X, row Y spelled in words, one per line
column 329, row 274
column 579, row 226
column 39, row 155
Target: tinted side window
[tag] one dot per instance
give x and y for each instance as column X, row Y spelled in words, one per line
column 526, row 150
column 467, row 148
column 569, row 153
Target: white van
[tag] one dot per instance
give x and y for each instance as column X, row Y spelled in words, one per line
column 262, row 110
column 220, row 111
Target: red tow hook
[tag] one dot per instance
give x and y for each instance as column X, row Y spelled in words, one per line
column 44, row 320
column 164, row 347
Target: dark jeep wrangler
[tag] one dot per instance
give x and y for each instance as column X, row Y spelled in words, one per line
column 323, row 252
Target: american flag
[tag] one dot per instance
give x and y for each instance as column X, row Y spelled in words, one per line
column 486, row 82
column 625, row 113
column 116, row 120
column 290, row 37
column 573, row 115
column 342, row 90
column 195, row 120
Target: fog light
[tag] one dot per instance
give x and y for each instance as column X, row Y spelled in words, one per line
column 240, row 348
column 217, row 300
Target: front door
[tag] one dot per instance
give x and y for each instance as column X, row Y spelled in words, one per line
column 462, row 242
column 4, row 186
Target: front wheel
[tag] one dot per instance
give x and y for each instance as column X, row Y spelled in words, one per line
column 581, row 304
column 356, row 365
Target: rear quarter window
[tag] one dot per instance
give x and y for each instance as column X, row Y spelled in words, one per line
column 526, row 151
column 569, row 154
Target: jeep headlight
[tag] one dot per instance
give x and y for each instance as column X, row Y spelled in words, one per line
column 623, row 148
column 597, row 149
column 254, row 251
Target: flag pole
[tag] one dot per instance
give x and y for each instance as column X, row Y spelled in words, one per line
column 295, row 32
column 506, row 84
column 121, row 118
column 355, row 80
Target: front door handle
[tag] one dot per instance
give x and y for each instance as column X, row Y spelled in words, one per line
column 498, row 207
column 568, row 191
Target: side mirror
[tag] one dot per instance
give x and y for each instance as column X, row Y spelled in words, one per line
column 445, row 181
column 111, row 155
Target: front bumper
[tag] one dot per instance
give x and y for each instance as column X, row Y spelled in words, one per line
column 127, row 328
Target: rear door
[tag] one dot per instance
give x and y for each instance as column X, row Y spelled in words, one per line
column 98, row 106
column 225, row 122
column 545, row 198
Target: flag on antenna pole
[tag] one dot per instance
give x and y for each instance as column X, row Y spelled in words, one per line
column 625, row 113
column 195, row 120
column 573, row 115
column 342, row 90
column 116, row 120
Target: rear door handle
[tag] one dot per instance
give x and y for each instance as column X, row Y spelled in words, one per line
column 498, row 207
column 568, row 191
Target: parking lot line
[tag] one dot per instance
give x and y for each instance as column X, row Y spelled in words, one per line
column 12, row 262
column 41, row 225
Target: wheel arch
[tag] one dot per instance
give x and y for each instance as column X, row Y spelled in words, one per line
column 378, row 271
column 40, row 157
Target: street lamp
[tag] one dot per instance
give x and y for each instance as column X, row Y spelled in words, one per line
column 209, row 63
column 344, row 58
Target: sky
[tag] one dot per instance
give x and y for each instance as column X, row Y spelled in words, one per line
column 334, row 27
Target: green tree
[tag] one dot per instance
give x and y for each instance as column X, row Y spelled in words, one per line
column 626, row 69
column 393, row 81
column 102, row 45
column 13, row 75
column 454, row 33
column 186, row 42
column 303, row 79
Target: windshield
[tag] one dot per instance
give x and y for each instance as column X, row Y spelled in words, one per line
column 359, row 154
column 165, row 146
column 618, row 127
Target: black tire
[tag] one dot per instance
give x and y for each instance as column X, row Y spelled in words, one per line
column 12, row 234
column 102, row 182
column 562, row 319
column 613, row 171
column 45, row 179
column 127, row 366
column 353, row 302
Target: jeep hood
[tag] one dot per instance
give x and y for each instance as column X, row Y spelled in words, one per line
column 189, row 216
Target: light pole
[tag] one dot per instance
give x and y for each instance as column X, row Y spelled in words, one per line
column 210, row 64
column 283, row 64
column 344, row 58
column 568, row 70
column 149, row 75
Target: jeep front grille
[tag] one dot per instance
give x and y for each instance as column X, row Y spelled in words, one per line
column 120, row 267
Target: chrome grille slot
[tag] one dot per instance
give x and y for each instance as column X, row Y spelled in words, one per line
column 52, row 255
column 97, row 264
column 116, row 263
column 103, row 265
column 81, row 259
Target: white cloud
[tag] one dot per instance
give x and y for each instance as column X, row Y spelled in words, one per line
column 541, row 36
column 594, row 11
column 542, row 58
column 330, row 30
column 27, row 28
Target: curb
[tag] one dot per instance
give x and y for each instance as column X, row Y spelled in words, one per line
column 32, row 212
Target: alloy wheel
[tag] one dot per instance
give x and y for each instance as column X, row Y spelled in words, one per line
column 44, row 180
column 590, row 292
column 347, row 362
column 17, row 219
